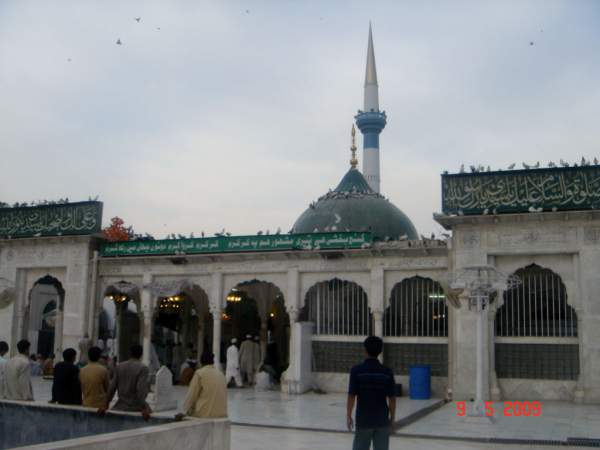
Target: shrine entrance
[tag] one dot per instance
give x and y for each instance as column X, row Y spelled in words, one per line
column 45, row 303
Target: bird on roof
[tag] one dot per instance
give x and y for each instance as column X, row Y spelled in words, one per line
column 512, row 166
column 526, row 166
column 259, row 233
column 595, row 161
column 564, row 163
column 202, row 234
column 551, row 164
column 473, row 169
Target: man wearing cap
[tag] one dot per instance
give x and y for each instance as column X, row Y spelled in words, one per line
column 233, row 364
column 247, row 360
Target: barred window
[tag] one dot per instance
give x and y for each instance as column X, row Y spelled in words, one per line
column 417, row 308
column 536, row 330
column 536, row 307
column 338, row 307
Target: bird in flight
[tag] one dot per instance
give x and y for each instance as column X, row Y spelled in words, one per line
column 137, row 19
column 531, row 43
column 119, row 42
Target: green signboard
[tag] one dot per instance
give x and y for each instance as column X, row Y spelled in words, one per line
column 51, row 220
column 315, row 241
column 532, row 190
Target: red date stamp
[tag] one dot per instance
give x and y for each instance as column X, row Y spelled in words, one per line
column 507, row 409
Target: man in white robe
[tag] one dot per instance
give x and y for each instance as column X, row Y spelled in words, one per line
column 233, row 364
column 3, row 361
column 18, row 374
column 247, row 360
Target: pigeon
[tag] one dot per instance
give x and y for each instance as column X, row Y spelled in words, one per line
column 137, row 19
column 489, row 169
column 259, row 233
column 247, row 11
column 473, row 169
column 69, row 59
column 278, row 230
column 512, row 166
column 551, row 164
column 526, row 166
column 536, row 166
column 595, row 161
column 563, row 163
column 119, row 42
column 227, row 234
column 202, row 234
column 530, row 42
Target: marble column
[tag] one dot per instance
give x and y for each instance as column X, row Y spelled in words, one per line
column 147, row 311
column 200, row 336
column 495, row 393
column 58, row 334
column 216, row 308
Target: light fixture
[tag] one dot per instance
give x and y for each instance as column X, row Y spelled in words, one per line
column 233, row 297
column 436, row 296
column 172, row 303
column 119, row 298
column 272, row 315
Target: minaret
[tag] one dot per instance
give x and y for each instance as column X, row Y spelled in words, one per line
column 371, row 121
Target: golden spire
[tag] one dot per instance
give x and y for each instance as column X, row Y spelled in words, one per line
column 353, row 160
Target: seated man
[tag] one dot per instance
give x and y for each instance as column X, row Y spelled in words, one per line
column 131, row 380
column 94, row 380
column 66, row 389
column 207, row 394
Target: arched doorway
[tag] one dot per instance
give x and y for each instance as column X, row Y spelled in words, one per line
column 182, row 327
column 536, row 329
column 119, row 324
column 342, row 319
column 257, row 308
column 416, row 329
column 42, row 315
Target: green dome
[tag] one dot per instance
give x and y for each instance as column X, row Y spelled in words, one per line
column 354, row 206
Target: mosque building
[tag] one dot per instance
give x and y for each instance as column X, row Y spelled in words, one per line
column 353, row 265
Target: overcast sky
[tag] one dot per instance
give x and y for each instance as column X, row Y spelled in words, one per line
column 236, row 115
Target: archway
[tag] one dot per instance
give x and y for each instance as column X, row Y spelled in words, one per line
column 42, row 316
column 341, row 316
column 182, row 328
column 257, row 308
column 119, row 325
column 536, row 329
column 416, row 327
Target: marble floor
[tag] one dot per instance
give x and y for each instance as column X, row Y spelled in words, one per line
column 276, row 414
column 559, row 421
column 261, row 438
column 275, row 409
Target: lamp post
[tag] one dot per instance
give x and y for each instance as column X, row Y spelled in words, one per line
column 481, row 283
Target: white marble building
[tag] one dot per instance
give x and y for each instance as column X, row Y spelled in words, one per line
column 352, row 266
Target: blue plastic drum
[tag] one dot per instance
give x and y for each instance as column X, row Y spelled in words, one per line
column 419, row 382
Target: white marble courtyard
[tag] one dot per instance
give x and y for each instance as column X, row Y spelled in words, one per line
column 263, row 420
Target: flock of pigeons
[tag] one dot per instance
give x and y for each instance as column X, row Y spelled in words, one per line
column 60, row 201
column 583, row 163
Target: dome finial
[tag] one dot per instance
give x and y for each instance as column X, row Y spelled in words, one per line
column 353, row 160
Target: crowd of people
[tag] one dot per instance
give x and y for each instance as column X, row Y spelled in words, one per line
column 89, row 383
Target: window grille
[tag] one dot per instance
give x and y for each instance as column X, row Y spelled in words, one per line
column 532, row 312
column 338, row 307
column 537, row 307
column 417, row 308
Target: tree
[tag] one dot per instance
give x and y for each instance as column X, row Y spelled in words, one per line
column 116, row 231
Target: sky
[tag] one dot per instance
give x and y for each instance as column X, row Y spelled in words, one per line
column 237, row 114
